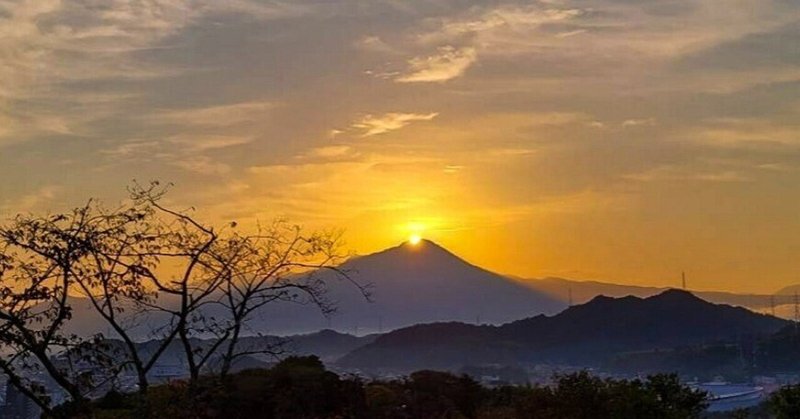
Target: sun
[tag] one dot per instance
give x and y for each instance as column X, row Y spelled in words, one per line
column 414, row 239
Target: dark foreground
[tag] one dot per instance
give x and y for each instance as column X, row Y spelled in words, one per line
column 301, row 387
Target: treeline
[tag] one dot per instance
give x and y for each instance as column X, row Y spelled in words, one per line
column 737, row 360
column 301, row 387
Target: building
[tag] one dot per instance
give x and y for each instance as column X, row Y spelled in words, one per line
column 18, row 405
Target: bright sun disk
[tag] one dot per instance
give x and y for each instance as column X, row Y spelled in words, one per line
column 415, row 239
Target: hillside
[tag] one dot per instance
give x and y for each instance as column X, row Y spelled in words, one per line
column 586, row 334
column 582, row 291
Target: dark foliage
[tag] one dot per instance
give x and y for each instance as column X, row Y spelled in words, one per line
column 785, row 403
column 300, row 387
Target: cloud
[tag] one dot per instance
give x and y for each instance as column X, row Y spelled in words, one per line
column 676, row 173
column 570, row 33
column 48, row 47
column 131, row 148
column 447, row 64
column 375, row 44
column 38, row 199
column 453, row 168
column 189, row 152
column 639, row 122
column 493, row 30
column 331, row 151
column 208, row 142
column 749, row 133
column 375, row 125
column 496, row 24
column 218, row 116
column 203, row 165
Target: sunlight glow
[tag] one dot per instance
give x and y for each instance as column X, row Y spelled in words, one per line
column 414, row 239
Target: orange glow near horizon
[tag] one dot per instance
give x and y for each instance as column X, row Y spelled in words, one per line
column 535, row 148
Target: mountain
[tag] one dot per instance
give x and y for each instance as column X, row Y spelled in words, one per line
column 328, row 345
column 423, row 283
column 586, row 334
column 583, row 291
column 411, row 284
column 791, row 290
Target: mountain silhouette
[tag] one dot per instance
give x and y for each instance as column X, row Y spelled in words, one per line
column 585, row 334
column 580, row 292
column 411, row 284
column 790, row 290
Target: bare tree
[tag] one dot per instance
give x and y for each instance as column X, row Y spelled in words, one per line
column 143, row 259
column 240, row 273
column 279, row 263
column 40, row 259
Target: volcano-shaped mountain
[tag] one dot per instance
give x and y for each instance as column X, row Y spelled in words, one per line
column 411, row 284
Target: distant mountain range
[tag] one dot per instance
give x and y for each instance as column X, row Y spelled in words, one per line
column 583, row 291
column 328, row 345
column 586, row 334
column 791, row 290
column 425, row 283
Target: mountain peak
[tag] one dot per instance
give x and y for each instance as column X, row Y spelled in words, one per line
column 424, row 249
column 672, row 297
column 421, row 245
column 676, row 295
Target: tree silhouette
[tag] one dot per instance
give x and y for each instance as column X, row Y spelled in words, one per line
column 144, row 260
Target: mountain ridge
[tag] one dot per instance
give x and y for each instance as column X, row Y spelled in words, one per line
column 423, row 283
column 584, row 334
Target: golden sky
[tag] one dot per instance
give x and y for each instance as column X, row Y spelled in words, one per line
column 616, row 140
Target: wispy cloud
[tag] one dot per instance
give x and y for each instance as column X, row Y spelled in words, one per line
column 208, row 142
column 638, row 122
column 488, row 31
column 186, row 151
column 748, row 133
column 331, row 151
column 676, row 173
column 448, row 63
column 37, row 200
column 495, row 24
column 375, row 125
column 203, row 165
column 48, row 46
column 218, row 116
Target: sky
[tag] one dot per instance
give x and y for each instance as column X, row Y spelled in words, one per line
column 615, row 140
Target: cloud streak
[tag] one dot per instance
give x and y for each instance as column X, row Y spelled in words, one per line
column 448, row 63
column 376, row 125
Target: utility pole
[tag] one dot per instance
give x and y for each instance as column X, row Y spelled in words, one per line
column 683, row 280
